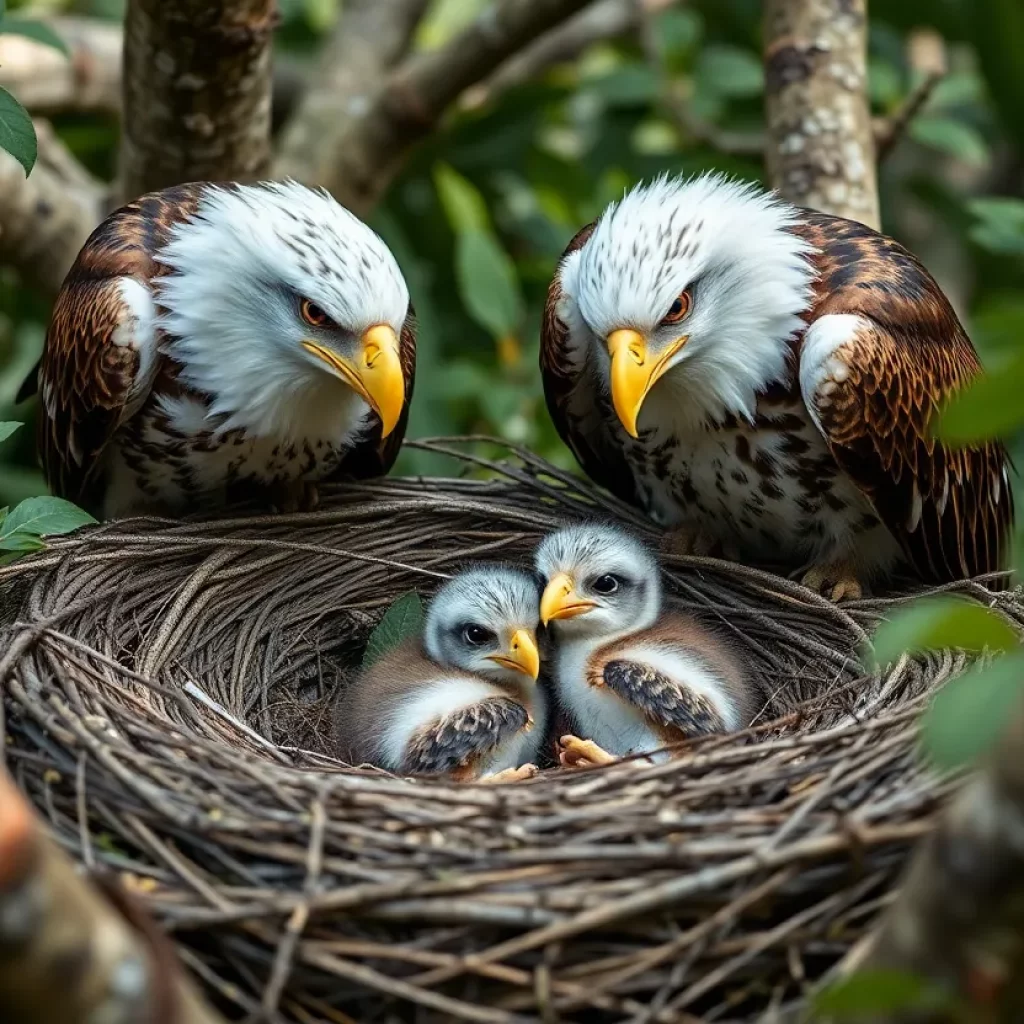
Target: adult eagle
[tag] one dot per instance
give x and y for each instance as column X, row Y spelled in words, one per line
column 764, row 378
column 214, row 342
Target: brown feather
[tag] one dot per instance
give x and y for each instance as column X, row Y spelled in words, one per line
column 879, row 420
column 598, row 452
column 673, row 710
column 86, row 380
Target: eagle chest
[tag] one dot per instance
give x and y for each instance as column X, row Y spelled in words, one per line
column 770, row 487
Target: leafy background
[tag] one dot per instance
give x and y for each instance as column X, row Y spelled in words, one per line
column 483, row 211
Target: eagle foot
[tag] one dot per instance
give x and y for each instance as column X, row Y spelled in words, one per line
column 524, row 771
column 576, row 753
column 835, row 580
column 693, row 540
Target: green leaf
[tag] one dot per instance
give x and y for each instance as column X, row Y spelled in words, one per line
column 940, row 622
column 1000, row 224
column 951, row 136
column 44, row 516
column 878, row 992
column 17, row 135
column 988, row 407
column 7, row 428
column 402, row 620
column 969, row 713
column 20, row 543
column 463, row 204
column 730, row 71
column 488, row 284
column 37, row 30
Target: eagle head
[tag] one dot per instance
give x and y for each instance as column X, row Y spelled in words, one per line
column 286, row 309
column 689, row 291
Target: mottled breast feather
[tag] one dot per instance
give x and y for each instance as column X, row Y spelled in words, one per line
column 461, row 739
column 85, row 378
column 599, row 453
column 950, row 509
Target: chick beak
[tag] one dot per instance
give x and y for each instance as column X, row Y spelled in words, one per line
column 522, row 654
column 634, row 372
column 560, row 600
column 375, row 373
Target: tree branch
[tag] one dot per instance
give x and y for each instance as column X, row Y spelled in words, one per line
column 604, row 20
column 363, row 157
column 820, row 150
column 65, row 953
column 371, row 38
column 196, row 92
column 46, row 218
column 47, row 82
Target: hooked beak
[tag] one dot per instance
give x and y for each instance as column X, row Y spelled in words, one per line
column 634, row 373
column 560, row 601
column 522, row 654
column 375, row 374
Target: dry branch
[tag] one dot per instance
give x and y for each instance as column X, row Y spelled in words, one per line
column 47, row 82
column 46, row 218
column 820, row 149
column 65, row 953
column 197, row 88
column 359, row 161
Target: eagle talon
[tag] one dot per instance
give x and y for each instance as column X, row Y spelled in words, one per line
column 576, row 753
column 523, row 772
column 835, row 580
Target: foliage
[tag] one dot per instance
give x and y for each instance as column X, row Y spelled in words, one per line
column 867, row 993
column 402, row 620
column 23, row 528
column 17, row 135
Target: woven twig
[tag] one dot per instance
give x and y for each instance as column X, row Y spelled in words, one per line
column 167, row 686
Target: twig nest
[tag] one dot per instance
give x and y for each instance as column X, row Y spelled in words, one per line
column 167, row 688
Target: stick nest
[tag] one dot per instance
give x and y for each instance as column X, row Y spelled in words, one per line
column 167, row 690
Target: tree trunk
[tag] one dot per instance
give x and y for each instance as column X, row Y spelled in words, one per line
column 197, row 92
column 820, row 149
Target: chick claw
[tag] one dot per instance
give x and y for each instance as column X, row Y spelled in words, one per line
column 576, row 753
column 524, row 771
column 835, row 580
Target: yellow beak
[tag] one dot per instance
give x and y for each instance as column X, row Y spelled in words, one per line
column 375, row 374
column 634, row 373
column 560, row 600
column 522, row 654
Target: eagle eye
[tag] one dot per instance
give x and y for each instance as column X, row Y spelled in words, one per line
column 678, row 310
column 313, row 315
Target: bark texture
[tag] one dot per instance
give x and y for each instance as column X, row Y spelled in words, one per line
column 197, row 92
column 820, row 148
column 66, row 954
column 46, row 218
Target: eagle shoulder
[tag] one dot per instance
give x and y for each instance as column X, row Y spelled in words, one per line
column 883, row 352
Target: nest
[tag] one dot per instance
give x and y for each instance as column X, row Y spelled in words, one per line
column 167, row 689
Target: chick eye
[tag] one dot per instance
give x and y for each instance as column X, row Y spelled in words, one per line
column 476, row 636
column 678, row 309
column 313, row 314
column 607, row 584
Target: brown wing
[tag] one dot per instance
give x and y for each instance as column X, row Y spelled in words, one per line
column 664, row 700
column 376, row 455
column 876, row 395
column 96, row 369
column 460, row 740
column 582, row 414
